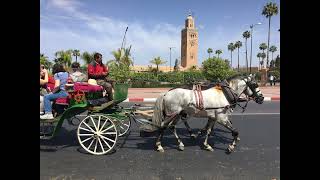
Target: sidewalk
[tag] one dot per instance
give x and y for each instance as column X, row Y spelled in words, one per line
column 150, row 94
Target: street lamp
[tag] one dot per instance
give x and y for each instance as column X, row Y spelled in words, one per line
column 251, row 27
column 170, row 56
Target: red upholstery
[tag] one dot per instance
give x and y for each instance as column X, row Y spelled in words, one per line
column 83, row 86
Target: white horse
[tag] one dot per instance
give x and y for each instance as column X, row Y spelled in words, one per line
column 183, row 103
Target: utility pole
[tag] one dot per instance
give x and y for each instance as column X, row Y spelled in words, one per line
column 170, row 56
column 124, row 38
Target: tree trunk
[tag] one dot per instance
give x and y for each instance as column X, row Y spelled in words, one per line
column 76, row 58
column 209, row 55
column 238, row 61
column 246, row 55
column 231, row 59
column 218, row 56
column 157, row 69
column 268, row 42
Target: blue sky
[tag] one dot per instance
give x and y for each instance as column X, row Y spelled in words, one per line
column 99, row 25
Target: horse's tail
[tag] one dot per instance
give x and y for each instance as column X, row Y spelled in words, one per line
column 158, row 115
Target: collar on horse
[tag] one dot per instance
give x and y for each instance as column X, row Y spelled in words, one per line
column 233, row 98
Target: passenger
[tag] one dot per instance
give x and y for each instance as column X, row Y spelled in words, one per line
column 77, row 76
column 43, row 85
column 61, row 78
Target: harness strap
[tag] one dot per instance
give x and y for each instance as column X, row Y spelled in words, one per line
column 198, row 96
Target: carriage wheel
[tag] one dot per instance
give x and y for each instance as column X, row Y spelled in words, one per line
column 97, row 134
column 124, row 126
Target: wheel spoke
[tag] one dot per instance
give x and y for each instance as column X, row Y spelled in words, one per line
column 121, row 127
column 106, row 143
column 88, row 126
column 108, row 128
column 95, row 147
column 86, row 134
column 108, row 139
column 86, row 139
column 103, row 125
column 109, row 133
column 86, row 129
column 101, row 145
column 94, row 123
column 91, row 144
column 99, row 123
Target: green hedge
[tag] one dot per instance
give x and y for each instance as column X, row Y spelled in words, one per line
column 171, row 78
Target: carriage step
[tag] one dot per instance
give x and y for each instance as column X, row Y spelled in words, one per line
column 45, row 136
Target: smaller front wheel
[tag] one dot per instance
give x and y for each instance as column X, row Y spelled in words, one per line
column 97, row 134
column 124, row 126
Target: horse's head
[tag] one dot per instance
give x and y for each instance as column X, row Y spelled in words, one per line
column 249, row 87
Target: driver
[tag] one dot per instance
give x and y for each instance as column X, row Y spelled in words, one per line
column 98, row 71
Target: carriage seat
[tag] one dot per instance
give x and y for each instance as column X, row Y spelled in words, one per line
column 81, row 86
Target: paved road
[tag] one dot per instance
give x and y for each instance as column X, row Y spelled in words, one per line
column 256, row 157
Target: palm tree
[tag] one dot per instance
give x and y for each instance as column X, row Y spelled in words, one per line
column 121, row 56
column 158, row 61
column 87, row 57
column 64, row 57
column 263, row 46
column 269, row 10
column 218, row 52
column 238, row 45
column 76, row 53
column 272, row 50
column 263, row 56
column 209, row 51
column 231, row 48
column 246, row 35
column 259, row 56
column 43, row 59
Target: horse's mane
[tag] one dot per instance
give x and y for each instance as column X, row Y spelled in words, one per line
column 234, row 77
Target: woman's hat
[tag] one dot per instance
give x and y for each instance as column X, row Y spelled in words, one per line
column 92, row 82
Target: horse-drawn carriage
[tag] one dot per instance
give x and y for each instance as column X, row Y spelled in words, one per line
column 104, row 122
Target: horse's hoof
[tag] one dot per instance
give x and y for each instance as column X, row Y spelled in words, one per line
column 181, row 147
column 238, row 139
column 230, row 149
column 193, row 136
column 160, row 149
column 208, row 148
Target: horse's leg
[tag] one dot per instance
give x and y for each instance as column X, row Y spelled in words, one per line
column 164, row 125
column 184, row 118
column 227, row 123
column 159, row 139
column 173, row 128
column 201, row 131
column 211, row 122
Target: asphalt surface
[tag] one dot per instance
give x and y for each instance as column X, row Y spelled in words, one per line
column 257, row 155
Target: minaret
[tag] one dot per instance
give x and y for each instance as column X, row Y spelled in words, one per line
column 189, row 44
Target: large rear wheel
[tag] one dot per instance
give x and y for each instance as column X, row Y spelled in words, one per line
column 97, row 134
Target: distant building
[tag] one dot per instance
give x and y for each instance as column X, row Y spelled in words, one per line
column 189, row 44
column 189, row 49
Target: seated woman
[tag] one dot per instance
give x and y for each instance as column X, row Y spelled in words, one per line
column 43, row 76
column 61, row 78
column 43, row 85
column 77, row 76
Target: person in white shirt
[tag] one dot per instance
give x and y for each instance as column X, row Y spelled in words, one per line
column 77, row 76
column 271, row 79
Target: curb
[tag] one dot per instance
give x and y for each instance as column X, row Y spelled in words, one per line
column 153, row 100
